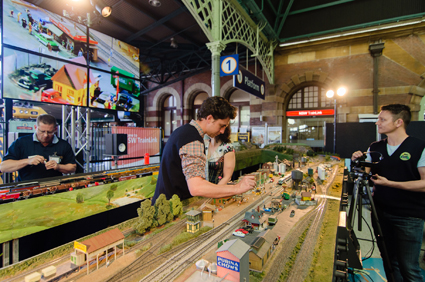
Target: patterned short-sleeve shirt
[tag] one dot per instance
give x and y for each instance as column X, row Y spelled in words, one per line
column 193, row 156
column 215, row 165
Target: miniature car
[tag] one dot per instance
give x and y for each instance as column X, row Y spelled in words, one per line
column 292, row 213
column 46, row 40
column 52, row 96
column 239, row 234
column 248, row 228
column 267, row 210
column 27, row 84
column 242, row 230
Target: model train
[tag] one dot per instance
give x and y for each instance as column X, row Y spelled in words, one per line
column 24, row 190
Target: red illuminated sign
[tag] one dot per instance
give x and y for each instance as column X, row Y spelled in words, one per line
column 310, row 113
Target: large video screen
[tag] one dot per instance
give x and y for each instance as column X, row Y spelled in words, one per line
column 115, row 91
column 36, row 78
column 113, row 52
column 47, row 59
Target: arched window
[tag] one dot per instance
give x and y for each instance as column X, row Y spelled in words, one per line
column 169, row 123
column 197, row 102
column 308, row 130
column 310, row 97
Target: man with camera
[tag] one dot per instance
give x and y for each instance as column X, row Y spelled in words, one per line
column 399, row 192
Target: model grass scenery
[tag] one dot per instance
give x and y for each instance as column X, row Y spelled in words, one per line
column 21, row 218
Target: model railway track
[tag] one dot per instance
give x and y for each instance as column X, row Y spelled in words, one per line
column 177, row 263
column 38, row 187
column 301, row 265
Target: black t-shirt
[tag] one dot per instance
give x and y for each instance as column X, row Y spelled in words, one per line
column 25, row 147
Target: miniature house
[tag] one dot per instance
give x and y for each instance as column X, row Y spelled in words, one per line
column 261, row 249
column 233, row 261
column 71, row 82
column 258, row 220
column 305, row 196
column 193, row 221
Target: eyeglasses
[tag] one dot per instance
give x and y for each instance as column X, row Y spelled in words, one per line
column 46, row 132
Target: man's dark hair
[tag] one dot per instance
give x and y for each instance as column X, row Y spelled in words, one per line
column 46, row 119
column 225, row 137
column 399, row 111
column 218, row 107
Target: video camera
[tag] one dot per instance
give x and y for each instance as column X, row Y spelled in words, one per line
column 361, row 163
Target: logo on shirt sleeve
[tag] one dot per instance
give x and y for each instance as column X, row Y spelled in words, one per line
column 405, row 156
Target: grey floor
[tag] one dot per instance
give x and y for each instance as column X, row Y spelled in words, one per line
column 365, row 234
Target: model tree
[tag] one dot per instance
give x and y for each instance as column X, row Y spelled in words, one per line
column 146, row 214
column 163, row 210
column 109, row 195
column 176, row 206
column 79, row 198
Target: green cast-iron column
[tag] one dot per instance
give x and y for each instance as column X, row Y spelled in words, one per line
column 215, row 48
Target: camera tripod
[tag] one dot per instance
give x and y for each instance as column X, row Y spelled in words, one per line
column 362, row 190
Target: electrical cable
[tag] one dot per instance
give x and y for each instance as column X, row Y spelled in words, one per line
column 373, row 240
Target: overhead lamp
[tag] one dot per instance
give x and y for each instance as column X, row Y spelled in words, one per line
column 102, row 8
column 173, row 43
column 155, row 3
column 341, row 91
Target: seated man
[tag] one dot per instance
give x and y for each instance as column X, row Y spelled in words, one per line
column 39, row 155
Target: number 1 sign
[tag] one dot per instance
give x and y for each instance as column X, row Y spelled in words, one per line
column 229, row 65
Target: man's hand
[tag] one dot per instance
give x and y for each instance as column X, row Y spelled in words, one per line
column 247, row 183
column 52, row 165
column 379, row 180
column 36, row 160
column 356, row 155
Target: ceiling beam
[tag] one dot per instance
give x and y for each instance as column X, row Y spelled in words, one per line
column 272, row 7
column 285, row 15
column 276, row 22
column 309, row 9
column 156, row 24
column 354, row 27
column 137, row 7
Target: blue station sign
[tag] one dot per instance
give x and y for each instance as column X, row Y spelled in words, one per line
column 229, row 65
column 227, row 263
column 250, row 83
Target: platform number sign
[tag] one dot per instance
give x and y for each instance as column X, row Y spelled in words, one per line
column 229, row 65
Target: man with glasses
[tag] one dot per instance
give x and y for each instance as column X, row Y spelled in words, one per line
column 40, row 155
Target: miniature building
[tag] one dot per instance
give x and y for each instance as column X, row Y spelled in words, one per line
column 233, row 261
column 222, row 201
column 71, row 82
column 207, row 212
column 193, row 221
column 94, row 247
column 305, row 196
column 261, row 249
column 277, row 203
column 321, row 171
column 258, row 220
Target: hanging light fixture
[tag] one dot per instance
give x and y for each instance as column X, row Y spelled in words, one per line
column 101, row 7
column 155, row 3
column 173, row 43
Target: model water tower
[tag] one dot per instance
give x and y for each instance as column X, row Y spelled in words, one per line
column 297, row 176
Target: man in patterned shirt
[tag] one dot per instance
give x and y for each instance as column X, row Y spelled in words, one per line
column 182, row 170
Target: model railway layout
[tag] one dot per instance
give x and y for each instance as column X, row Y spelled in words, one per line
column 24, row 190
